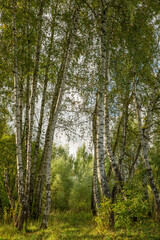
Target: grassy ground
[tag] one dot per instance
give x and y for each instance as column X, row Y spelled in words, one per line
column 69, row 226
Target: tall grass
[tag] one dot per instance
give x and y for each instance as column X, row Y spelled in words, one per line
column 82, row 226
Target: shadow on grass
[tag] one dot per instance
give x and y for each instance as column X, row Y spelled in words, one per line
column 33, row 230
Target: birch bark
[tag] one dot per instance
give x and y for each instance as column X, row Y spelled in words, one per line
column 35, row 157
column 55, row 109
column 32, row 104
column 95, row 193
column 100, row 108
column 115, row 145
column 20, row 174
column 144, row 138
column 100, row 147
column 107, row 134
column 27, row 92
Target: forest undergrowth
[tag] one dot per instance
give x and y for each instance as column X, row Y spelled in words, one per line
column 72, row 226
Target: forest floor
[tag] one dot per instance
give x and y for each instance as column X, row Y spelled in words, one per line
column 82, row 226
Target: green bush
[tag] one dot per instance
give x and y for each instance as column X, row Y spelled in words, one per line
column 131, row 210
column 126, row 212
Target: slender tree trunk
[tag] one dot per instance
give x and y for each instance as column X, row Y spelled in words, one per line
column 115, row 145
column 27, row 91
column 105, row 75
column 144, row 138
column 32, row 105
column 100, row 148
column 107, row 134
column 131, row 171
column 35, row 157
column 100, row 110
column 20, row 173
column 124, row 137
column 95, row 194
column 55, row 109
column 21, row 104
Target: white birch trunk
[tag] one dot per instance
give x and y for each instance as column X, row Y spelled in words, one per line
column 115, row 145
column 107, row 133
column 33, row 173
column 95, row 193
column 32, row 105
column 21, row 103
column 144, row 138
column 20, row 173
column 100, row 148
column 100, row 110
column 55, row 109
column 27, row 92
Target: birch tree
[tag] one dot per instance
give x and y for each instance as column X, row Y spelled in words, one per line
column 144, row 138
column 22, row 213
column 55, row 108
column 46, row 80
column 95, row 193
column 32, row 105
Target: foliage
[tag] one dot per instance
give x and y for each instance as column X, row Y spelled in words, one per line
column 8, row 165
column 61, row 183
column 80, row 197
column 71, row 179
column 131, row 56
column 132, row 210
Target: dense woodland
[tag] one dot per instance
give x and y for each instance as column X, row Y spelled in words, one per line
column 85, row 67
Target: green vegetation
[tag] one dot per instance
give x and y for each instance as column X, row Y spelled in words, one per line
column 74, row 226
column 71, row 217
column 88, row 70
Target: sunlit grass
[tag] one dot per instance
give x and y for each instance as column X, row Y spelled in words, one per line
column 73, row 226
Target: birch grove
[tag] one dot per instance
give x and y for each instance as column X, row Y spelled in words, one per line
column 89, row 69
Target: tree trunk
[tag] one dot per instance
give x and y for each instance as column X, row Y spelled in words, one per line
column 20, row 174
column 55, row 109
column 115, row 145
column 107, row 134
column 27, row 92
column 95, row 194
column 124, row 137
column 32, row 105
column 144, row 138
column 135, row 159
column 100, row 147
column 35, row 157
column 104, row 81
